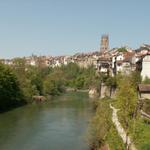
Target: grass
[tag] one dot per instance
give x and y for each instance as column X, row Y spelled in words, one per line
column 141, row 135
column 146, row 106
column 143, row 140
column 114, row 140
column 111, row 136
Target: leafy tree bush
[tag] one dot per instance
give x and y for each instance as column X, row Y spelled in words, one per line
column 10, row 92
column 54, row 83
column 99, row 126
column 122, row 49
column 40, row 80
column 127, row 102
column 76, row 77
column 146, row 106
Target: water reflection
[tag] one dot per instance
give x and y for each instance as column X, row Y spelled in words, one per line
column 56, row 125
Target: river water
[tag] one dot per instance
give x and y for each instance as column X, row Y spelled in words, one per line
column 59, row 124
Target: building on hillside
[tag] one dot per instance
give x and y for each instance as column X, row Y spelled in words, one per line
column 6, row 61
column 124, row 62
column 129, row 62
column 31, row 60
column 56, row 62
column 145, row 66
column 104, row 65
column 84, row 60
column 143, row 50
column 67, row 60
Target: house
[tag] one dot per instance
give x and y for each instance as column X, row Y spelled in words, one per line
column 117, row 61
column 144, row 91
column 124, row 62
column 129, row 62
column 6, row 61
column 143, row 50
column 104, row 65
column 145, row 66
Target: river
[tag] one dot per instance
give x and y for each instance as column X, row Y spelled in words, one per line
column 59, row 124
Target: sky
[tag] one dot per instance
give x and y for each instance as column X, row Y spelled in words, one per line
column 65, row 27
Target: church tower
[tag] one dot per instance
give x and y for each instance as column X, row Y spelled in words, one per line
column 104, row 46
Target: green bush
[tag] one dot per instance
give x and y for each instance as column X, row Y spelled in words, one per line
column 10, row 92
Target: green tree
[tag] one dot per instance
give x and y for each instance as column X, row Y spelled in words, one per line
column 99, row 125
column 28, row 90
column 10, row 92
column 28, row 77
column 79, row 82
column 54, row 83
column 127, row 103
column 122, row 49
column 135, row 79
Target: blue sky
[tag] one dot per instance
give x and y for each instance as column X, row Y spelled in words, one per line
column 57, row 27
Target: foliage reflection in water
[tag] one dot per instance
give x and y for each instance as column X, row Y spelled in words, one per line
column 56, row 125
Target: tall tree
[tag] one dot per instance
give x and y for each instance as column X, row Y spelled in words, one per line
column 127, row 102
column 10, row 92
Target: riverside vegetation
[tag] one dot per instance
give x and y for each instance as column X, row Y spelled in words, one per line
column 20, row 82
column 102, row 131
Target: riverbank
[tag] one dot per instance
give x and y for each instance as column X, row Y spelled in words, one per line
column 140, row 134
column 76, row 90
column 102, row 130
column 105, row 131
column 122, row 133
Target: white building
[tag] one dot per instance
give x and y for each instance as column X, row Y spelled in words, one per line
column 8, row 62
column 146, row 66
column 123, row 62
column 119, row 61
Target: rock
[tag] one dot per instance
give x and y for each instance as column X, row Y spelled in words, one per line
column 39, row 98
column 93, row 92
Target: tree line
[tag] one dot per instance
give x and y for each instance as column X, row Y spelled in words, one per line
column 20, row 82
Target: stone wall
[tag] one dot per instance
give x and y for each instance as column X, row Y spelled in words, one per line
column 93, row 92
column 107, row 91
